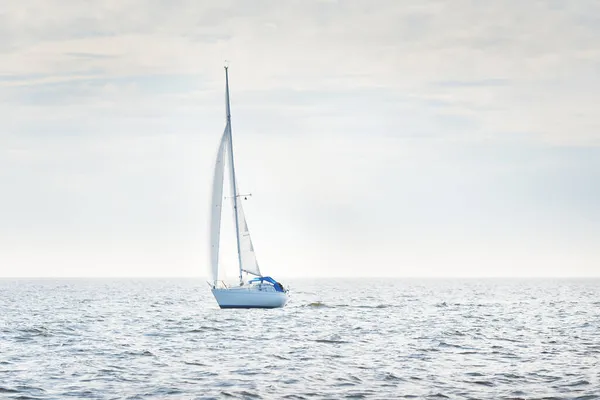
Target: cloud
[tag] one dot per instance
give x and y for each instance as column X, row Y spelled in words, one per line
column 502, row 53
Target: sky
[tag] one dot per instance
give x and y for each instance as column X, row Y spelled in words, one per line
column 393, row 138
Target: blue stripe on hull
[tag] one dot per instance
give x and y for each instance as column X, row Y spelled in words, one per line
column 249, row 306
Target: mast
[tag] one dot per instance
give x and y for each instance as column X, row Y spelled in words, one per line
column 235, row 196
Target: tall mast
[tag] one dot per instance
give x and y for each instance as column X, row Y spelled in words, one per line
column 235, row 196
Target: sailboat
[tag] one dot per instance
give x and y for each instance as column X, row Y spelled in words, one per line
column 260, row 291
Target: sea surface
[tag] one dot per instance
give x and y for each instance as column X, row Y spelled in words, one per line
column 372, row 339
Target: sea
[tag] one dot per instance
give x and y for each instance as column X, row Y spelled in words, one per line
column 336, row 339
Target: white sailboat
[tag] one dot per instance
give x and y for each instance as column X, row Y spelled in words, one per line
column 260, row 291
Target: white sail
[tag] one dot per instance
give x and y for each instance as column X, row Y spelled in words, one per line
column 247, row 254
column 216, row 207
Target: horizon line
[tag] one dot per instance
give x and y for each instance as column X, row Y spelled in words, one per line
column 311, row 278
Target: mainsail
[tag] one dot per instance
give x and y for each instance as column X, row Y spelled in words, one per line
column 216, row 207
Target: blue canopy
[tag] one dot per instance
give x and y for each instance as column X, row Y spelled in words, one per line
column 261, row 279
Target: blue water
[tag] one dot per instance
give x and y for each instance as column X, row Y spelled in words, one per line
column 375, row 339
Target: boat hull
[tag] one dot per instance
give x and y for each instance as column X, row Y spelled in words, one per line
column 249, row 298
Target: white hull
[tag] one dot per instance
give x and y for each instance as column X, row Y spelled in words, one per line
column 249, row 297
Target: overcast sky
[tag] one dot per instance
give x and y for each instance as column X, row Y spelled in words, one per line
column 379, row 138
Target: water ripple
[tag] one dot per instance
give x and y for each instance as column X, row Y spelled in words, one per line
column 419, row 339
